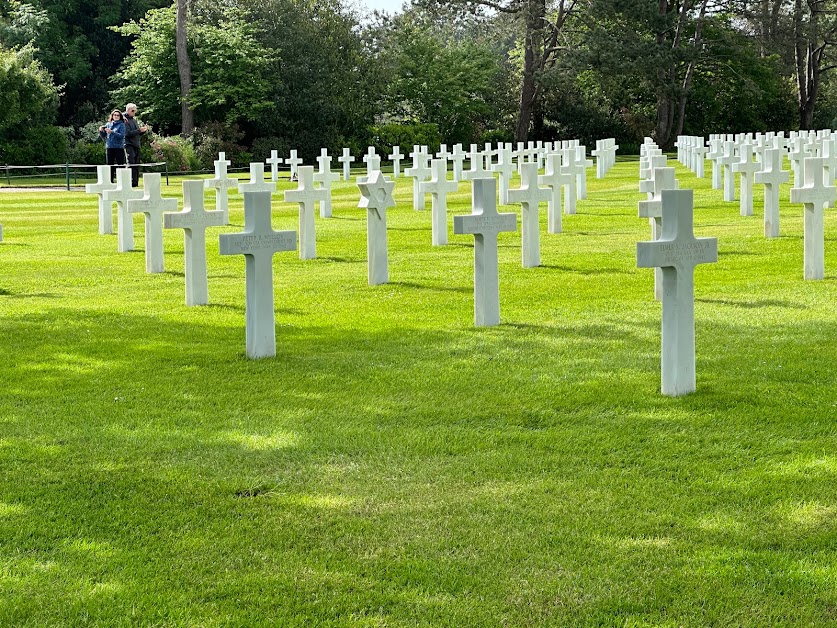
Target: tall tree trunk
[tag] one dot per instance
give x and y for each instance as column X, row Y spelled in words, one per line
column 690, row 70
column 535, row 12
column 184, row 68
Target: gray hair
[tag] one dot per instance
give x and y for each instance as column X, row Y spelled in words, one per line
column 130, row 105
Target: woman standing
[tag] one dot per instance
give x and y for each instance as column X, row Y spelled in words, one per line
column 114, row 135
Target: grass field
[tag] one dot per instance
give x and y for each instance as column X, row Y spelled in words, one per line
column 394, row 465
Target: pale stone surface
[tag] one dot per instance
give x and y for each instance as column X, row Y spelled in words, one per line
column 661, row 179
column 370, row 154
column 153, row 205
column 726, row 161
column 222, row 183
column 376, row 197
column 772, row 177
column 439, row 187
column 581, row 176
column 194, row 220
column 477, row 170
column 346, row 159
column 294, row 162
column 677, row 252
column 307, row 195
column 529, row 195
column 457, row 158
column 553, row 178
column 396, row 158
column 273, row 161
column 257, row 182
column 121, row 194
column 570, row 167
column 258, row 242
column 814, row 195
column 443, row 153
column 325, row 177
column 746, row 167
column 419, row 172
column 716, row 151
column 485, row 224
column 101, row 186
column 505, row 168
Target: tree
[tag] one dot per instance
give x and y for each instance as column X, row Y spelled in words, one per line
column 815, row 27
column 543, row 27
column 28, row 98
column 184, row 68
column 231, row 79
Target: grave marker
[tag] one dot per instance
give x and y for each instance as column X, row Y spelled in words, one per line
column 221, row 183
column 376, row 197
column 772, row 177
column 294, row 162
column 274, row 160
column 102, row 185
column 307, row 195
column 439, row 187
column 396, row 158
column 325, row 177
column 554, row 178
column 257, row 182
column 121, row 194
column 662, row 179
column 529, row 195
column 677, row 252
column 194, row 220
column 153, row 205
column 485, row 224
column 258, row 242
column 346, row 159
column 814, row 195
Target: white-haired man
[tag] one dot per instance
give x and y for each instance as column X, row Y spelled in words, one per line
column 133, row 132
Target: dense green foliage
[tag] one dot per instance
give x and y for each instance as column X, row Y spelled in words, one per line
column 395, row 466
column 285, row 74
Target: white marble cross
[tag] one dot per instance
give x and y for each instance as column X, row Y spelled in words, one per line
column 257, row 182
column 529, row 195
column 307, row 195
column 661, row 179
column 485, row 224
column 553, row 178
column 153, row 205
column 815, row 195
column 101, row 186
column 677, row 252
column 346, row 159
column 121, row 194
column 371, row 154
column 194, row 220
column 716, row 151
column 505, row 169
column 274, row 160
column 477, row 170
column 726, row 161
column 570, row 167
column 396, row 158
column 419, row 172
column 258, row 242
column 443, row 153
column 373, row 163
column 325, row 177
column 221, row 183
column 746, row 167
column 294, row 162
column 772, row 177
column 439, row 187
column 457, row 157
column 581, row 176
column 376, row 197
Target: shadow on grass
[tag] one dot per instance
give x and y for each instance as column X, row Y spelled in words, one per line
column 588, row 271
column 755, row 304
column 383, row 467
column 419, row 286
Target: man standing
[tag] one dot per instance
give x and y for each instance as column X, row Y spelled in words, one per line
column 133, row 132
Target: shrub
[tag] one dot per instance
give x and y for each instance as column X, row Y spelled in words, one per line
column 35, row 146
column 385, row 136
column 215, row 137
column 176, row 151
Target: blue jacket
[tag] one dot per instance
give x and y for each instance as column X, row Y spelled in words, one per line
column 115, row 139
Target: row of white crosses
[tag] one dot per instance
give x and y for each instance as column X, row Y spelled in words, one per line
column 759, row 159
column 605, row 154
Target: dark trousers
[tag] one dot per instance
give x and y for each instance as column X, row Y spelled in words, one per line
column 133, row 160
column 114, row 157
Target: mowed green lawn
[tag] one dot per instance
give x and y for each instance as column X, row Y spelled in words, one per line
column 396, row 466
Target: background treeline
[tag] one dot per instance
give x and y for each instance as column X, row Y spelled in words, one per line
column 280, row 74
